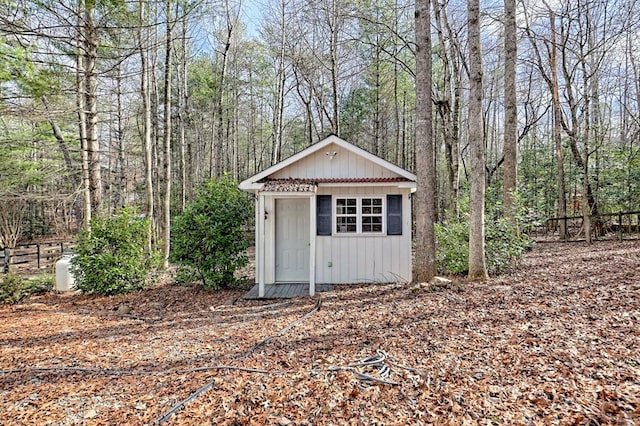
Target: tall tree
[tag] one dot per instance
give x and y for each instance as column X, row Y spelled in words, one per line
column 510, row 145
column 183, row 97
column 166, row 243
column 281, row 78
column 82, row 135
column 477, row 261
column 145, row 95
column 335, row 20
column 553, row 83
column 88, row 37
column 448, row 103
column 425, row 266
column 552, row 80
column 231, row 20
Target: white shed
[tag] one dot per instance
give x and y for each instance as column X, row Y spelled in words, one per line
column 332, row 213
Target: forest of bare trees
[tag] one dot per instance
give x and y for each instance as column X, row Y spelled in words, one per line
column 111, row 103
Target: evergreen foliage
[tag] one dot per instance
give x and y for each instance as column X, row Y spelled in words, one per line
column 14, row 289
column 504, row 241
column 209, row 239
column 42, row 283
column 503, row 245
column 111, row 257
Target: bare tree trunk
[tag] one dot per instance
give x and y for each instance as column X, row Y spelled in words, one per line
column 448, row 107
column 156, row 135
column 90, row 42
column 146, row 106
column 182, row 113
column 425, row 265
column 57, row 133
column 477, row 261
column 377, row 120
column 333, row 55
column 308, row 117
column 588, row 205
column 121, row 195
column 557, row 126
column 219, row 150
column 552, row 81
column 252, row 153
column 510, row 146
column 278, row 110
column 236, row 127
column 396, row 94
column 166, row 243
column 82, row 131
column 403, row 148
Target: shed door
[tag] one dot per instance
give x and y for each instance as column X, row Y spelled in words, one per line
column 292, row 239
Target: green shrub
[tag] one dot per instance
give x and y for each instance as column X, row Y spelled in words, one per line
column 187, row 275
column 40, row 284
column 12, row 289
column 210, row 237
column 452, row 247
column 503, row 244
column 111, row 256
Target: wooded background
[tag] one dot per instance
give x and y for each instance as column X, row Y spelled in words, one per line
column 112, row 103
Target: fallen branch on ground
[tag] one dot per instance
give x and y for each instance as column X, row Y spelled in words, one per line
column 368, row 378
column 62, row 369
column 207, row 386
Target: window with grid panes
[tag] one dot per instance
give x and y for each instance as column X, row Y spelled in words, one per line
column 371, row 209
column 346, row 215
column 359, row 215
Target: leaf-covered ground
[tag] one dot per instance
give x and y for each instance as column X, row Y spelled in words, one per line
column 555, row 341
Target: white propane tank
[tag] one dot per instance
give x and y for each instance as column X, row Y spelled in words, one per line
column 64, row 277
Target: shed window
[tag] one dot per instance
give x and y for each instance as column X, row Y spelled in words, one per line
column 359, row 215
column 372, row 215
column 346, row 215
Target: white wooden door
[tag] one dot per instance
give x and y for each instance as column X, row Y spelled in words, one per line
column 292, row 240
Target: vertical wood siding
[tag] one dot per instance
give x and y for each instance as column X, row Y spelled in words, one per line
column 365, row 258
column 345, row 164
column 353, row 258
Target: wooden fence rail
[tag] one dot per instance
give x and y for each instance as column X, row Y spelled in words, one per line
column 621, row 225
column 32, row 257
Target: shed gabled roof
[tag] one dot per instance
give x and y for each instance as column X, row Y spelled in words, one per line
column 255, row 182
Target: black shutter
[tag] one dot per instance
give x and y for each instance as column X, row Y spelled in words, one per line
column 394, row 214
column 323, row 214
